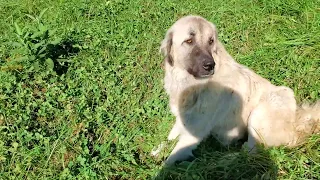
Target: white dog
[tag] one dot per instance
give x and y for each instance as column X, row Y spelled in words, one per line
column 211, row 93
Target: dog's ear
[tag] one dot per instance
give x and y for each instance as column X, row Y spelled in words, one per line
column 165, row 48
column 215, row 39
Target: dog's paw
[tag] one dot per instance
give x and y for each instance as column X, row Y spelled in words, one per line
column 179, row 157
column 172, row 160
column 156, row 150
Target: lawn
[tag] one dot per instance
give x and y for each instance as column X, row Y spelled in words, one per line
column 81, row 92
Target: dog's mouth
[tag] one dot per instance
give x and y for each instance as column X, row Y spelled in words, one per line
column 201, row 75
column 210, row 73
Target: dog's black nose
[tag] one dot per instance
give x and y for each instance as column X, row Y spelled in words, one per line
column 208, row 66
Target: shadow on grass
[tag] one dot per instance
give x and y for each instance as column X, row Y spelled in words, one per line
column 60, row 53
column 214, row 161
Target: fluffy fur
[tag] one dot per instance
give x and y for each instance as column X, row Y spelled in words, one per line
column 230, row 101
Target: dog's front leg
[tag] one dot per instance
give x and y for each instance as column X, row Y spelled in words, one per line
column 183, row 149
column 175, row 131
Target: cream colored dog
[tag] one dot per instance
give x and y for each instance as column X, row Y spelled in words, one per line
column 211, row 93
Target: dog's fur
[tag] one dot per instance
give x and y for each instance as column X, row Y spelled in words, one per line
column 227, row 101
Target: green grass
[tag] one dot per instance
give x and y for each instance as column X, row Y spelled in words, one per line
column 91, row 105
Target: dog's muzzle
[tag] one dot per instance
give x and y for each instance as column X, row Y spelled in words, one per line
column 203, row 66
column 209, row 66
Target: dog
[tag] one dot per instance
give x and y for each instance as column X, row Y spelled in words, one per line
column 210, row 93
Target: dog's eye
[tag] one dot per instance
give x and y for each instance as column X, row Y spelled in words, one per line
column 189, row 41
column 210, row 41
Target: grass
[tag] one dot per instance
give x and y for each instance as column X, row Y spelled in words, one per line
column 81, row 93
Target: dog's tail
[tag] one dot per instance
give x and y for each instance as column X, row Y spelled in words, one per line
column 307, row 120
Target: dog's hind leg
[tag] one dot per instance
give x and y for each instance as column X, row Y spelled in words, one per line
column 272, row 122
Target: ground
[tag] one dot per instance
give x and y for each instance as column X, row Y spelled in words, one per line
column 81, row 92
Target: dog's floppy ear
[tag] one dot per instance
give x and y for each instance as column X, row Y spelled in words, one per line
column 215, row 39
column 165, row 48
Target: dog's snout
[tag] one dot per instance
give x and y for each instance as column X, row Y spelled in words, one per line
column 203, row 63
column 208, row 65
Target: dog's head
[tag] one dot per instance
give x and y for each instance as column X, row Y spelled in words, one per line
column 190, row 44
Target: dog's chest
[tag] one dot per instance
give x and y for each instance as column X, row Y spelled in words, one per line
column 216, row 110
column 209, row 108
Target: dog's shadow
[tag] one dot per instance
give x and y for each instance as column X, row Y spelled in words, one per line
column 215, row 161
